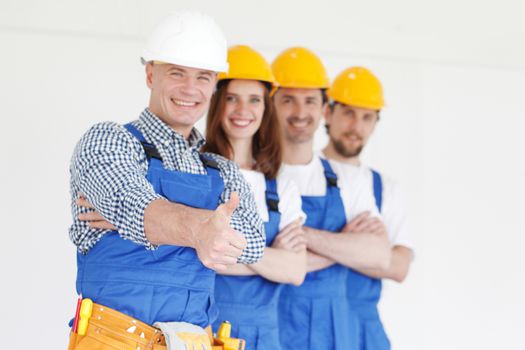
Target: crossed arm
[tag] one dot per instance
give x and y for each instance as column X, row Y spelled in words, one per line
column 283, row 262
column 363, row 246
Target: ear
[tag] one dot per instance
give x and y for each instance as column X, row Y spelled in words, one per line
column 149, row 74
column 327, row 113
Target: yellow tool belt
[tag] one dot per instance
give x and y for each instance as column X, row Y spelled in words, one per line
column 110, row 329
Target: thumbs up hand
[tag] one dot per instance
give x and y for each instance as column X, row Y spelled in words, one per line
column 217, row 244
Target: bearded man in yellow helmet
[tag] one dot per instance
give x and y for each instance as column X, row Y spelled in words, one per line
column 357, row 98
column 177, row 214
column 315, row 315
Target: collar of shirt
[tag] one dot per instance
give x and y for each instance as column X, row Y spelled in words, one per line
column 161, row 133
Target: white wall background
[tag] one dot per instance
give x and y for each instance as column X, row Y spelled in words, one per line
column 453, row 72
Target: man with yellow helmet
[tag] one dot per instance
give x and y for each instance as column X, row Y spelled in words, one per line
column 315, row 314
column 357, row 98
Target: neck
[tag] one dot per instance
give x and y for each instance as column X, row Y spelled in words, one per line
column 242, row 153
column 184, row 130
column 331, row 153
column 297, row 153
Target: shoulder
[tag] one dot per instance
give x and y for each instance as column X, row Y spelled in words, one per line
column 107, row 139
column 350, row 175
column 105, row 133
column 389, row 183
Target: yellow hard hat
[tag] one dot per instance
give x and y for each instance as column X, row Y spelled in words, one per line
column 246, row 63
column 298, row 67
column 357, row 86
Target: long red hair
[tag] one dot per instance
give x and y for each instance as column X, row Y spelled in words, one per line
column 266, row 143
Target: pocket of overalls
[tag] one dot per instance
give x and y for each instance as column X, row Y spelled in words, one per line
column 200, row 309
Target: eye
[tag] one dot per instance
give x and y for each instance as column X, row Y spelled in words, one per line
column 255, row 100
column 205, row 78
column 311, row 102
column 368, row 117
column 231, row 98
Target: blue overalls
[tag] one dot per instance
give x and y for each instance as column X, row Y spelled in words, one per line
column 167, row 284
column 249, row 303
column 364, row 293
column 314, row 316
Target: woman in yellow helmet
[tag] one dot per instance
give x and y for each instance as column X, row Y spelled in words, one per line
column 242, row 126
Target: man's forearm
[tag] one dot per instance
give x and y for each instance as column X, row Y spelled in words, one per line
column 398, row 268
column 317, row 262
column 172, row 223
column 239, row 270
column 282, row 266
column 361, row 250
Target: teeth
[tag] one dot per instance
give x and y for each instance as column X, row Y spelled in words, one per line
column 240, row 122
column 299, row 124
column 184, row 103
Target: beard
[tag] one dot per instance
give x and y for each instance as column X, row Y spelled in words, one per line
column 344, row 151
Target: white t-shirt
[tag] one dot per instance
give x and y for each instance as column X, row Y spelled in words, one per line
column 393, row 209
column 311, row 181
column 289, row 198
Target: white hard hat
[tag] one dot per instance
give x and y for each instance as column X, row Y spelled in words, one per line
column 190, row 39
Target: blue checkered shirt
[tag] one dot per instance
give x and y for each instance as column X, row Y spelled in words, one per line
column 109, row 167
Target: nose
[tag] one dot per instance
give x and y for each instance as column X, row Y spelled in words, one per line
column 242, row 108
column 299, row 111
column 189, row 86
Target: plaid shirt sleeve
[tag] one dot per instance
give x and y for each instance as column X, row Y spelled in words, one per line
column 108, row 167
column 245, row 218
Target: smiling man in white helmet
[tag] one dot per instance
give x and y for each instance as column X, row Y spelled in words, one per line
column 176, row 214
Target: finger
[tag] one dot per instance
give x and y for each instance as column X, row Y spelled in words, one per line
column 291, row 226
column 299, row 248
column 218, row 267
column 229, row 207
column 374, row 225
column 238, row 240
column 101, row 225
column 291, row 232
column 90, row 216
column 356, row 221
column 284, row 236
column 364, row 224
column 225, row 260
column 81, row 201
column 299, row 239
column 232, row 251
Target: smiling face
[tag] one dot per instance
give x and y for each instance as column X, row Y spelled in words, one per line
column 243, row 108
column 299, row 112
column 179, row 95
column 349, row 128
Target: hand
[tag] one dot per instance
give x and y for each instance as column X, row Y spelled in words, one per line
column 217, row 244
column 94, row 219
column 357, row 223
column 292, row 237
column 363, row 223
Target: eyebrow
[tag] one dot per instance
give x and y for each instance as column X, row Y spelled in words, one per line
column 202, row 72
column 251, row 95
